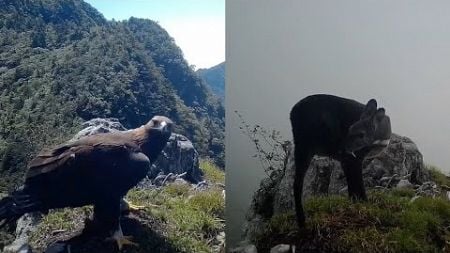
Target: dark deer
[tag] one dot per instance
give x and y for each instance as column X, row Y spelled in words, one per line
column 340, row 128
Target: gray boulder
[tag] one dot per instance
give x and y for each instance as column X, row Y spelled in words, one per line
column 400, row 160
column 97, row 126
column 25, row 226
column 244, row 248
column 178, row 157
column 283, row 248
column 58, row 247
column 404, row 183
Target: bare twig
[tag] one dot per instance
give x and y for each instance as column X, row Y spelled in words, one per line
column 272, row 150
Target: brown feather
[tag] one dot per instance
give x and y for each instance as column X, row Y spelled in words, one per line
column 60, row 156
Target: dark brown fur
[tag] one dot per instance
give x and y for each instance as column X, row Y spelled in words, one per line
column 339, row 128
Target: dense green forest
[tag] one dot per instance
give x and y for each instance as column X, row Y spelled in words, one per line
column 62, row 62
column 215, row 78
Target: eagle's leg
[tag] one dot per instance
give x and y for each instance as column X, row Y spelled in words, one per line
column 107, row 213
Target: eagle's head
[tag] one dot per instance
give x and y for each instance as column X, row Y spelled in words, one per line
column 158, row 131
column 160, row 124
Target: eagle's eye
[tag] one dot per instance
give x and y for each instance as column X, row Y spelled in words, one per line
column 158, row 123
column 155, row 122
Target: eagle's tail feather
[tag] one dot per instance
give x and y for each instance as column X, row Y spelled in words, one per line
column 15, row 205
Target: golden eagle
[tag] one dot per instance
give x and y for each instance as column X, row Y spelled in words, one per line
column 95, row 170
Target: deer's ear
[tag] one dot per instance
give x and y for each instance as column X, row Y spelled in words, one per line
column 382, row 126
column 370, row 109
column 381, row 112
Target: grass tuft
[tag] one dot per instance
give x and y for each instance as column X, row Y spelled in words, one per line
column 438, row 176
column 212, row 173
column 387, row 222
column 192, row 218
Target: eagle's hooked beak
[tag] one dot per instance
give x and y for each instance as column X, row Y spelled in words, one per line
column 164, row 127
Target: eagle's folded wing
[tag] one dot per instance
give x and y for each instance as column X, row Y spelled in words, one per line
column 63, row 155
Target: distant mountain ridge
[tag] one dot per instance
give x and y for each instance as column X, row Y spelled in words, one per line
column 215, row 78
column 62, row 62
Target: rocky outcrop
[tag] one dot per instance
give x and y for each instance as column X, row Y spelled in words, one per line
column 400, row 164
column 97, row 126
column 401, row 160
column 178, row 157
column 245, row 248
column 283, row 248
column 25, row 226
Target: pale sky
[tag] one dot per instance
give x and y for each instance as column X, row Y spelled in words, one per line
column 198, row 26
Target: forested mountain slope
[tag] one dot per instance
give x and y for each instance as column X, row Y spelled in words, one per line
column 215, row 78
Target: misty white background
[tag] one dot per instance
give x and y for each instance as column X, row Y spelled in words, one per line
column 278, row 52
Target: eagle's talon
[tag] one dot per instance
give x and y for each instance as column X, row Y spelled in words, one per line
column 134, row 208
column 121, row 240
column 125, row 240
